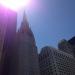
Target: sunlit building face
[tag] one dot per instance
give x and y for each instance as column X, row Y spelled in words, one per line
column 14, row 4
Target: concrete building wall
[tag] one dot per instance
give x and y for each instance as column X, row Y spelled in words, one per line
column 27, row 55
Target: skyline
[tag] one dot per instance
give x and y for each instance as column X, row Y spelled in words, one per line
column 29, row 38
column 51, row 22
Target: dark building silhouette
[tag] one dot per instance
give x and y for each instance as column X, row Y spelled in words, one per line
column 72, row 43
column 8, row 22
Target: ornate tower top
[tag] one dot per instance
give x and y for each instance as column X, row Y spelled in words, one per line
column 25, row 30
column 24, row 24
column 25, row 21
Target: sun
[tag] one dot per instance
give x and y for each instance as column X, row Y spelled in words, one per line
column 15, row 4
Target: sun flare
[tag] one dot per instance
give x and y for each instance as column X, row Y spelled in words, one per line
column 15, row 4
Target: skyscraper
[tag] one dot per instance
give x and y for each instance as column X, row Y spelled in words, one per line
column 8, row 22
column 56, row 62
column 27, row 50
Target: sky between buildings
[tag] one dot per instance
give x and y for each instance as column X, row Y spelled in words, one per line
column 50, row 21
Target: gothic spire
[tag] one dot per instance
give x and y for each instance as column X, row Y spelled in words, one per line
column 25, row 21
column 25, row 29
column 24, row 24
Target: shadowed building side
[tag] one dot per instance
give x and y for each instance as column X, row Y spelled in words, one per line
column 3, row 25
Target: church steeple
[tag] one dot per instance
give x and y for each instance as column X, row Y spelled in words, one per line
column 25, row 21
column 25, row 30
column 27, row 50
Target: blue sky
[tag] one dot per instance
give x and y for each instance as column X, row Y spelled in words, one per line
column 51, row 21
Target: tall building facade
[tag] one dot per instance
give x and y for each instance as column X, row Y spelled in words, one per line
column 3, row 25
column 8, row 22
column 27, row 50
column 56, row 62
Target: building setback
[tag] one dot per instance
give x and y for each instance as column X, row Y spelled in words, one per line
column 56, row 62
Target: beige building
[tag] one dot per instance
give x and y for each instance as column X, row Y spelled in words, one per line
column 56, row 62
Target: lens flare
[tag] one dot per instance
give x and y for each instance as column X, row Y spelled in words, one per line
column 14, row 4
